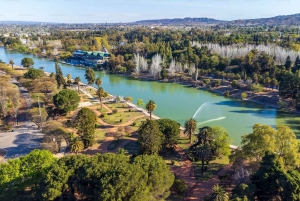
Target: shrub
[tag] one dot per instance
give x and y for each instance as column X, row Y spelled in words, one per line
column 227, row 94
column 180, row 187
column 115, row 111
column 206, row 81
column 244, row 95
column 121, row 120
column 235, row 84
column 103, row 115
column 134, row 124
column 256, row 88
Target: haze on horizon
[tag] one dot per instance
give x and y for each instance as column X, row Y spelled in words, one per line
column 114, row 11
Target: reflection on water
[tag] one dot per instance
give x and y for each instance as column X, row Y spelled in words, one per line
column 179, row 102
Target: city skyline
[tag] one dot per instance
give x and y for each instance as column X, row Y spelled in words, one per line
column 92, row 11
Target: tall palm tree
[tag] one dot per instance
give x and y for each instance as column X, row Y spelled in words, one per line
column 11, row 62
column 151, row 106
column 78, row 80
column 218, row 194
column 98, row 82
column 100, row 93
column 77, row 145
column 190, row 128
column 69, row 77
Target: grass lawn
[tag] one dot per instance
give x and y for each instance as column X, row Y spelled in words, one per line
column 114, row 144
column 117, row 106
column 120, row 117
column 132, row 147
column 212, row 168
column 103, row 110
column 100, row 135
column 139, row 121
column 184, row 142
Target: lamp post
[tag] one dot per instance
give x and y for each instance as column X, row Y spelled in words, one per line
column 40, row 109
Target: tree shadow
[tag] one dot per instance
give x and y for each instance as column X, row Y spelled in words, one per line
column 25, row 143
column 258, row 113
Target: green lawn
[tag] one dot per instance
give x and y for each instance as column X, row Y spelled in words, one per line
column 117, row 106
column 120, row 117
column 132, row 147
column 212, row 168
column 103, row 110
column 114, row 144
column 100, row 135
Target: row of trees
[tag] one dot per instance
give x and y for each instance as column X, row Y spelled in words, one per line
column 40, row 176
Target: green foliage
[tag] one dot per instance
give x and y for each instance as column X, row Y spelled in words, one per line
column 244, row 192
column 76, row 145
column 98, row 81
column 218, row 194
column 66, row 100
column 33, row 74
column 22, row 176
column 227, row 94
column 265, row 138
column 256, row 88
column 235, row 84
column 244, row 95
column 140, row 102
column 206, row 81
column 59, row 76
column 180, row 187
column 108, row 177
column 150, row 137
column 190, row 128
column 90, row 75
column 151, row 106
column 27, row 62
column 85, row 123
column 171, row 131
column 115, row 111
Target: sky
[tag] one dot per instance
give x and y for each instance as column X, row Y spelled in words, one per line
column 114, row 11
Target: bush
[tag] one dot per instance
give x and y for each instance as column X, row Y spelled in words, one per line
column 134, row 124
column 121, row 120
column 115, row 111
column 244, row 95
column 206, row 81
column 256, row 88
column 103, row 115
column 180, row 187
column 227, row 94
column 235, row 84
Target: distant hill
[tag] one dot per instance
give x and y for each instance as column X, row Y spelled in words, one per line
column 180, row 21
column 278, row 20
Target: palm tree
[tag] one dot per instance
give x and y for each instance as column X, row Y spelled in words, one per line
column 100, row 93
column 11, row 62
column 190, row 128
column 98, row 82
column 218, row 194
column 77, row 145
column 69, row 77
column 151, row 106
column 78, row 80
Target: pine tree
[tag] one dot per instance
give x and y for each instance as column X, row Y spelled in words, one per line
column 59, row 76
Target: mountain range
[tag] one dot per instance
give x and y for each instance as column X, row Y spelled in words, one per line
column 277, row 20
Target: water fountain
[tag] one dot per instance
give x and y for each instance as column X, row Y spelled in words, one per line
column 210, row 114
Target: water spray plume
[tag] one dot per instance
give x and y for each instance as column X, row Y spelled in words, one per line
column 198, row 110
column 211, row 120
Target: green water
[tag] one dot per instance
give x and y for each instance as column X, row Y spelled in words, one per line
column 179, row 102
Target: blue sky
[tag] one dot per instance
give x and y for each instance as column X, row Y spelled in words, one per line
column 101, row 11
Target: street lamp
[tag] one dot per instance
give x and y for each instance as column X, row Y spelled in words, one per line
column 40, row 109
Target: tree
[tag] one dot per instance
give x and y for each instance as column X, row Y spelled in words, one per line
column 151, row 106
column 244, row 95
column 128, row 99
column 66, row 100
column 33, row 74
column 78, row 80
column 23, row 175
column 34, row 116
column 77, row 145
column 265, row 138
column 85, row 123
column 288, row 63
column 140, row 102
column 11, row 62
column 110, row 176
column 150, row 138
column 101, row 93
column 190, row 128
column 218, row 194
column 59, row 76
column 269, row 178
column 90, row 75
column 27, row 62
column 171, row 131
column 69, row 79
column 98, row 82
